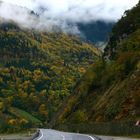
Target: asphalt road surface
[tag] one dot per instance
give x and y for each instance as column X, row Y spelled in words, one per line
column 48, row 134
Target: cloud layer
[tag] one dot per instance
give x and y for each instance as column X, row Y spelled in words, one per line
column 63, row 13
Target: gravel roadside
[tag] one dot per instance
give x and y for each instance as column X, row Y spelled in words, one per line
column 16, row 137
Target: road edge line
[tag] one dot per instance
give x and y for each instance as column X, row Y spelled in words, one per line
column 41, row 135
column 91, row 137
column 63, row 136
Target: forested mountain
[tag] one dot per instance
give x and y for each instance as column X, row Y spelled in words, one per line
column 110, row 89
column 96, row 32
column 55, row 78
column 124, row 31
column 38, row 70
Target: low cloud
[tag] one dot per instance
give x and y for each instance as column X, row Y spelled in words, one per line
column 64, row 14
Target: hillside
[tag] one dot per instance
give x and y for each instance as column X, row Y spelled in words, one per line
column 38, row 70
column 110, row 89
column 128, row 25
column 96, row 32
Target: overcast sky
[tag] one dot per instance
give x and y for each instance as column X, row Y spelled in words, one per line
column 104, row 9
column 61, row 12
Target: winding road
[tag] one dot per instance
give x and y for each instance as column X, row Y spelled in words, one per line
column 49, row 134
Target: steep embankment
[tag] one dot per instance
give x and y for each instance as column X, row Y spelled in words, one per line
column 110, row 89
column 37, row 72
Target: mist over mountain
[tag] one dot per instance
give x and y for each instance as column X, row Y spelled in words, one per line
column 96, row 32
column 91, row 31
column 79, row 10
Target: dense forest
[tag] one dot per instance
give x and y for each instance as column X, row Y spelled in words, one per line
column 110, row 89
column 37, row 72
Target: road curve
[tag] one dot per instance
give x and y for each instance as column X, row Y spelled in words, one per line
column 49, row 134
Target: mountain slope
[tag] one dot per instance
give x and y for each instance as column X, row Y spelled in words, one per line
column 96, row 32
column 110, row 90
column 37, row 72
column 128, row 24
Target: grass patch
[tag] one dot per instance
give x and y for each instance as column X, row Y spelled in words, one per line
column 135, row 136
column 22, row 114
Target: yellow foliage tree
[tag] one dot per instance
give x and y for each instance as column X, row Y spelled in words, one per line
column 2, row 107
column 13, row 122
column 23, row 122
column 43, row 110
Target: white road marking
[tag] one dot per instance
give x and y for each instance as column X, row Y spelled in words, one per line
column 74, row 134
column 63, row 137
column 90, row 137
column 86, row 135
column 60, row 133
column 41, row 135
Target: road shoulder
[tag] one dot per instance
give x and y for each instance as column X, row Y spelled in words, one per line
column 116, row 138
